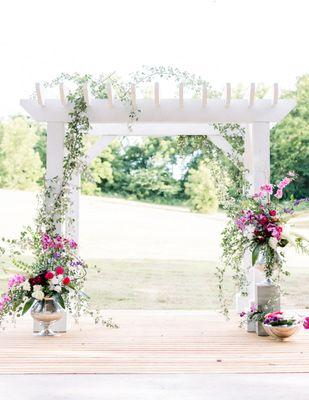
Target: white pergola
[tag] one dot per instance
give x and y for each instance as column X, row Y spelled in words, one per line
column 165, row 117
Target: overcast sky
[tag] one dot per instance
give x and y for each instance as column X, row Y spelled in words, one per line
column 224, row 40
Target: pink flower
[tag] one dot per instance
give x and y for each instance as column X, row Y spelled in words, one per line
column 66, row 280
column 73, row 244
column 5, row 298
column 284, row 183
column 272, row 213
column 49, row 275
column 279, row 193
column 59, row 270
column 268, row 188
column 16, row 280
column 306, row 323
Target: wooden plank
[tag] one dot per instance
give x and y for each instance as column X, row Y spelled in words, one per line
column 152, row 342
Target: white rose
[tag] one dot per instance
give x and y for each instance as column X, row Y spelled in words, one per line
column 37, row 288
column 57, row 289
column 273, row 242
column 54, row 281
column 248, row 232
column 26, row 286
column 38, row 295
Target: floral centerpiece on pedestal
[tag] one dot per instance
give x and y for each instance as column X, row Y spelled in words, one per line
column 263, row 226
column 57, row 272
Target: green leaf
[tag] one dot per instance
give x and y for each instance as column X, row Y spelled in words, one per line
column 27, row 306
column 283, row 242
column 255, row 253
column 61, row 301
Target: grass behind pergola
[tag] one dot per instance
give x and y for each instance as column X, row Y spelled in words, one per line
column 156, row 284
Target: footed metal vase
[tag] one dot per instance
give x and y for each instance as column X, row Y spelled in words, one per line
column 47, row 311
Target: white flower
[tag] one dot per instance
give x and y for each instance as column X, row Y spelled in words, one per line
column 37, row 288
column 248, row 232
column 273, row 242
column 60, row 277
column 54, row 281
column 26, row 286
column 57, row 289
column 38, row 295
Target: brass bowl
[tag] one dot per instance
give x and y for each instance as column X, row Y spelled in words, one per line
column 281, row 332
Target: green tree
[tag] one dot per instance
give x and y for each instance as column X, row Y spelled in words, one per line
column 200, row 189
column 20, row 165
column 290, row 142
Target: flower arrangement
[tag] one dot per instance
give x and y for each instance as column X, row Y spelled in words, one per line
column 263, row 225
column 57, row 271
column 279, row 318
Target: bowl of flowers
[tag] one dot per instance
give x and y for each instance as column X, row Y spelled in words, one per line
column 281, row 326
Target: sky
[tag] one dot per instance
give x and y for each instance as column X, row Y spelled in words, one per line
column 237, row 41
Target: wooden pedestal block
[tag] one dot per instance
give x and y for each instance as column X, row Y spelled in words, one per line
column 268, row 298
column 61, row 326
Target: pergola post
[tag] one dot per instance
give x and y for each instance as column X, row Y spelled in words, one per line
column 54, row 158
column 72, row 224
column 258, row 165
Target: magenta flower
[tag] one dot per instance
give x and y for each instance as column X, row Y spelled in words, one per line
column 306, row 323
column 242, row 314
column 284, row 183
column 268, row 188
column 279, row 193
column 5, row 298
column 73, row 244
column 16, row 280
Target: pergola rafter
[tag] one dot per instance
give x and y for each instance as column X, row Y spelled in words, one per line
column 164, row 117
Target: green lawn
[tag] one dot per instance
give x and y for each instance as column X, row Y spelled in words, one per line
column 170, row 285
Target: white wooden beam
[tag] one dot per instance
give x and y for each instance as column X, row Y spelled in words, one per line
column 181, row 85
column 153, row 129
column 72, row 218
column 109, row 92
column 225, row 146
column 54, row 161
column 251, row 95
column 168, row 112
column 86, row 93
column 157, row 94
column 275, row 94
column 204, row 95
column 228, row 95
column 98, row 147
column 39, row 94
column 133, row 96
column 62, row 94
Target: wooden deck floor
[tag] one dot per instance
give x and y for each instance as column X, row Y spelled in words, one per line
column 152, row 342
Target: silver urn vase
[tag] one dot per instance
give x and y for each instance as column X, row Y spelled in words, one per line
column 46, row 311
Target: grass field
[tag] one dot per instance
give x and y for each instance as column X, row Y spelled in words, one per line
column 159, row 284
column 150, row 256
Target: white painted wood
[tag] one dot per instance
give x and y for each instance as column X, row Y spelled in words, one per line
column 251, row 95
column 168, row 112
column 62, row 94
column 54, row 156
column 157, row 94
column 259, row 167
column 275, row 94
column 98, row 147
column 181, row 103
column 86, row 93
column 109, row 94
column 39, row 94
column 72, row 226
column 153, row 129
column 224, row 145
column 133, row 96
column 228, row 95
column 204, row 95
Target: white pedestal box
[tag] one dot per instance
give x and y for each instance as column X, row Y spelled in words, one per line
column 267, row 296
column 61, row 326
